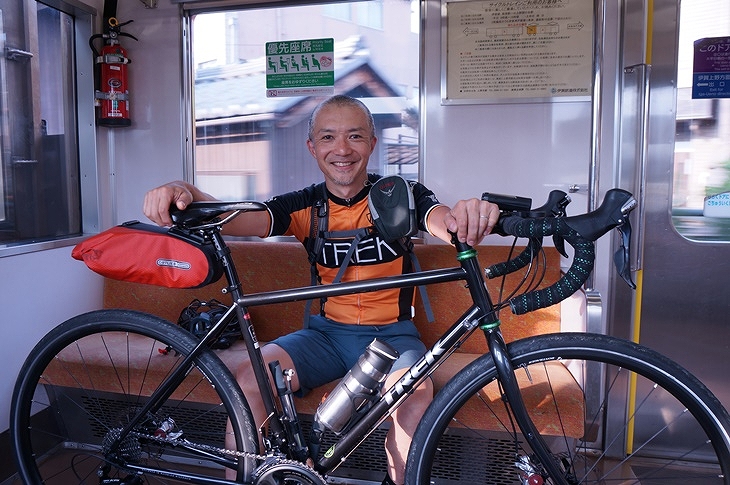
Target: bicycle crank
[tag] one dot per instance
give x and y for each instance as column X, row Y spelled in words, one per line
column 286, row 472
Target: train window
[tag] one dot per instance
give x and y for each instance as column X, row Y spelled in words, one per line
column 701, row 192
column 250, row 146
column 39, row 152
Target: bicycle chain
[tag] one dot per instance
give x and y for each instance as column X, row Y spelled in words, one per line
column 199, row 446
column 267, row 464
column 295, row 469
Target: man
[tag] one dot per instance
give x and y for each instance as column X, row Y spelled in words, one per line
column 341, row 139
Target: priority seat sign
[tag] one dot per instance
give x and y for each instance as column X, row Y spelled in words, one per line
column 300, row 68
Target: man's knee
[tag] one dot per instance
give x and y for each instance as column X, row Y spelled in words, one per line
column 420, row 399
column 410, row 411
column 246, row 376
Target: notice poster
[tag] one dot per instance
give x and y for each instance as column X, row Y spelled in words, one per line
column 518, row 49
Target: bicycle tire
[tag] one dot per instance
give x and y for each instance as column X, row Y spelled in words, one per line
column 446, row 448
column 86, row 377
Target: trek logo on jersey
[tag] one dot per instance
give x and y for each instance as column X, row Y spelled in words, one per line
column 372, row 250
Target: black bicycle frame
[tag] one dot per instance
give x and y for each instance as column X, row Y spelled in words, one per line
column 481, row 315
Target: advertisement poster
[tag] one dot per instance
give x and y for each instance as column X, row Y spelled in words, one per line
column 518, row 49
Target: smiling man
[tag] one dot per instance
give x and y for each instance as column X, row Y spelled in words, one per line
column 341, row 139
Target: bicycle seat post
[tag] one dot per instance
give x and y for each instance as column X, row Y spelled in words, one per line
column 248, row 333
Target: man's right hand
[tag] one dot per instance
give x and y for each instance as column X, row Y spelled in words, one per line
column 157, row 201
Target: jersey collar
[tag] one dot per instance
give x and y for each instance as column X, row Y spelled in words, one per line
column 352, row 200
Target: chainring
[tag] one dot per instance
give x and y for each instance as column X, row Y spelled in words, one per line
column 287, row 472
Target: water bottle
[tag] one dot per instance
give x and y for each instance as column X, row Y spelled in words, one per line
column 360, row 385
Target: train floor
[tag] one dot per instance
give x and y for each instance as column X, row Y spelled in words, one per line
column 63, row 458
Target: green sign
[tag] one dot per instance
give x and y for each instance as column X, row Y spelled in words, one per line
column 300, row 68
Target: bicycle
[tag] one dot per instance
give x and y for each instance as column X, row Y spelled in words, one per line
column 152, row 436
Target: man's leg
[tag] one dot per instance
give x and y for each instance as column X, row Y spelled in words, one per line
column 405, row 420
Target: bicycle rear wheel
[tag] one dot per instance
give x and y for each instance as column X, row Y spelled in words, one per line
column 86, row 379
column 568, row 382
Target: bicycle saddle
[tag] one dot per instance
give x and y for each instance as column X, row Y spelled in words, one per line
column 203, row 212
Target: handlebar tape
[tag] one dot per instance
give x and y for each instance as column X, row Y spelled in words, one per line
column 578, row 231
column 553, row 207
column 571, row 281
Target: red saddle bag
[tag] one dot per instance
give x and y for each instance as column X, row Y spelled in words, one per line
column 145, row 253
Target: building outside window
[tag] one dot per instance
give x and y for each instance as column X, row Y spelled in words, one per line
column 248, row 146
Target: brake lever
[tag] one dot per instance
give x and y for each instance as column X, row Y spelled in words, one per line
column 555, row 207
column 622, row 256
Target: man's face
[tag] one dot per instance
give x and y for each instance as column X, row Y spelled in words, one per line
column 342, row 142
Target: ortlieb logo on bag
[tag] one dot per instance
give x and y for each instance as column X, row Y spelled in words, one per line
column 144, row 253
column 173, row 264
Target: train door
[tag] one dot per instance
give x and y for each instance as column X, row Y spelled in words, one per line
column 675, row 153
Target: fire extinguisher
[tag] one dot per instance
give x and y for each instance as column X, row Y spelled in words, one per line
column 112, row 91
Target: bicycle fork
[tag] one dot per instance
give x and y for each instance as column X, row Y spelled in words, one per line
column 531, row 473
column 506, row 374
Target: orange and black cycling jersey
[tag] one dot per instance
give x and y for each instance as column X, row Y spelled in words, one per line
column 373, row 257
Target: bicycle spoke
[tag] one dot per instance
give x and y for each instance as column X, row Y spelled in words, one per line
column 671, row 409
column 89, row 379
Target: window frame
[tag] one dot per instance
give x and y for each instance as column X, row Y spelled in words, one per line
column 191, row 9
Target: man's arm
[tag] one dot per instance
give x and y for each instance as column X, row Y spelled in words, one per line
column 470, row 219
column 157, row 204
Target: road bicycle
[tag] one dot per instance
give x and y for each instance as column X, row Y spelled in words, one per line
column 82, row 413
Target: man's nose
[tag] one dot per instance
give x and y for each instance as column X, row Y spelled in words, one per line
column 342, row 145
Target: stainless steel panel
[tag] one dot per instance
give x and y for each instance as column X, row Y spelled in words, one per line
column 684, row 307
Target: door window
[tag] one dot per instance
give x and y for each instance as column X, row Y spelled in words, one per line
column 701, row 191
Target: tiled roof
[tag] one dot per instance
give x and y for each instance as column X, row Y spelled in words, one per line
column 240, row 90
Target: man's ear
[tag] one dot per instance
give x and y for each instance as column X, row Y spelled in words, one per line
column 310, row 146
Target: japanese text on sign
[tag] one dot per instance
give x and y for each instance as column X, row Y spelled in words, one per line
column 518, row 49
column 300, row 68
column 711, row 68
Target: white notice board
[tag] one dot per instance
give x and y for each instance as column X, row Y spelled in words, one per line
column 517, row 51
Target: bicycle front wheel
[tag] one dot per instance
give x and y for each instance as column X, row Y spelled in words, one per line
column 86, row 381
column 610, row 412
